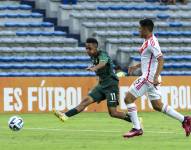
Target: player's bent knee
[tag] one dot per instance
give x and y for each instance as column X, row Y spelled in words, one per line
column 129, row 98
column 157, row 105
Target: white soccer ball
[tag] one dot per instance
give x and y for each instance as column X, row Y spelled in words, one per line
column 15, row 123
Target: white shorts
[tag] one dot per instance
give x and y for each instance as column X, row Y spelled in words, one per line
column 141, row 87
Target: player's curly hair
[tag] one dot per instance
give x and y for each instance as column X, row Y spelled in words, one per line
column 147, row 23
column 92, row 40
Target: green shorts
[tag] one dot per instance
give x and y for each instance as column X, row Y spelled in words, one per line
column 110, row 93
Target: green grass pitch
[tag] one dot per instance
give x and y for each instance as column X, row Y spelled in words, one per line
column 92, row 131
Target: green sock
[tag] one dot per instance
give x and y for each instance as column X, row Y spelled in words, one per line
column 71, row 112
column 127, row 118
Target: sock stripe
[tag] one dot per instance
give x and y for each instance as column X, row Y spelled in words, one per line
column 132, row 109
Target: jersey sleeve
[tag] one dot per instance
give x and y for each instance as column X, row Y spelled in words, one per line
column 103, row 57
column 155, row 48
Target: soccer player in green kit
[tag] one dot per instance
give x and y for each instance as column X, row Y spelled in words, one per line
column 107, row 87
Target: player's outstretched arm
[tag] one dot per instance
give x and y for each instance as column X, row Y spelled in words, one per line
column 133, row 68
column 97, row 67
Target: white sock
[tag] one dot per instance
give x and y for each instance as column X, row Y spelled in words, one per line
column 132, row 111
column 172, row 113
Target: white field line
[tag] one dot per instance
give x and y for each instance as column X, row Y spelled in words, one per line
column 98, row 131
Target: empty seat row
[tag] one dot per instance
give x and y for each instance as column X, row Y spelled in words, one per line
column 17, row 24
column 28, row 33
column 49, row 74
column 167, row 58
column 15, row 7
column 32, row 15
column 40, row 33
column 38, row 42
column 20, row 26
column 76, row 50
column 125, row 28
column 43, row 66
column 176, row 73
column 45, row 59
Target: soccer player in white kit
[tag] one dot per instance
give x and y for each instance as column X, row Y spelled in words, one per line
column 149, row 83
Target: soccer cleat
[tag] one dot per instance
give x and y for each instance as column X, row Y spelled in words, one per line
column 187, row 125
column 133, row 132
column 60, row 115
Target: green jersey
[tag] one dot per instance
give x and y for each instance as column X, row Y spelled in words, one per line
column 106, row 74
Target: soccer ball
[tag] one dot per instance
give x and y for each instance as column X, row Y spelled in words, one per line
column 15, row 123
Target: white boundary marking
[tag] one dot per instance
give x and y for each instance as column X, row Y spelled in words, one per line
column 98, row 131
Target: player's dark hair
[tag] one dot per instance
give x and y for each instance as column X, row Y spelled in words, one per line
column 148, row 23
column 92, row 40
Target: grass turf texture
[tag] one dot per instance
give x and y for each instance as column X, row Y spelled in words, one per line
column 92, row 131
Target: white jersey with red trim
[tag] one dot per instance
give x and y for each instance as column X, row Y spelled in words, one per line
column 150, row 51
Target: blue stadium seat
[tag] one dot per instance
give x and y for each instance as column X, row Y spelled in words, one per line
column 3, row 8
column 127, row 7
column 25, row 7
column 186, row 33
column 102, row 7
column 12, row 7
column 175, row 24
column 151, row 1
column 35, row 24
column 11, row 16
column 36, row 15
column 162, row 8
column 163, row 16
column 59, row 33
column 150, row 8
column 138, row 7
column 115, row 7
column 47, row 24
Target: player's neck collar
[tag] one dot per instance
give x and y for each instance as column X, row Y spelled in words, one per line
column 149, row 36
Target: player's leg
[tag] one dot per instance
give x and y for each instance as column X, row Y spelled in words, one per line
column 64, row 116
column 137, row 89
column 94, row 96
column 112, row 96
column 154, row 97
